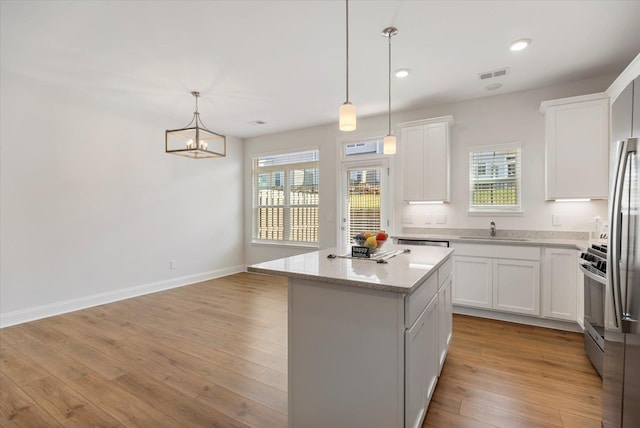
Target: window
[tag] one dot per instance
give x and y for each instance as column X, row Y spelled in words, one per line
column 494, row 179
column 371, row 147
column 285, row 197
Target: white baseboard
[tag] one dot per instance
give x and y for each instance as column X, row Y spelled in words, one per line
column 57, row 308
column 520, row 319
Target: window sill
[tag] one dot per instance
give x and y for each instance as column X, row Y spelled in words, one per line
column 285, row 244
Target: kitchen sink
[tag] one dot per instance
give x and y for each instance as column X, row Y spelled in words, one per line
column 490, row 238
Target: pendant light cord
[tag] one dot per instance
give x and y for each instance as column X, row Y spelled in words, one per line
column 347, row 30
column 197, row 95
column 389, row 75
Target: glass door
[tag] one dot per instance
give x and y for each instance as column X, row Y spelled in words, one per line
column 364, row 198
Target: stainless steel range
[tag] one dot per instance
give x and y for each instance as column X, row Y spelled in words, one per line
column 593, row 265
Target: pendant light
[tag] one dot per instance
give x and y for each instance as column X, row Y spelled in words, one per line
column 389, row 142
column 195, row 140
column 347, row 112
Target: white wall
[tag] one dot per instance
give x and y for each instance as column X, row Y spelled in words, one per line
column 496, row 119
column 92, row 209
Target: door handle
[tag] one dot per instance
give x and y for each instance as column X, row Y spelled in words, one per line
column 629, row 325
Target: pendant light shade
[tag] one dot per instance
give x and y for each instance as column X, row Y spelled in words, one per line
column 389, row 142
column 347, row 111
column 347, row 117
column 195, row 140
column 389, row 145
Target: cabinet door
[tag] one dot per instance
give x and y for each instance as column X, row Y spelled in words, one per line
column 444, row 321
column 577, row 136
column 560, row 284
column 413, row 168
column 516, row 286
column 472, row 281
column 421, row 364
column 636, row 108
column 436, row 162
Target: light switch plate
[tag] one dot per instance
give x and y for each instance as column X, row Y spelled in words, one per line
column 427, row 219
column 441, row 219
column 555, row 220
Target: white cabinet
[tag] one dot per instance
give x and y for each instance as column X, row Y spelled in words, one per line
column 560, row 284
column 473, row 281
column 426, row 158
column 577, row 147
column 516, row 286
column 445, row 326
column 497, row 277
column 421, row 364
column 354, row 348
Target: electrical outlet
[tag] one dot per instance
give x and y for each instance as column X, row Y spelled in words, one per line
column 441, row 219
column 427, row 219
column 172, row 264
column 555, row 220
column 407, row 219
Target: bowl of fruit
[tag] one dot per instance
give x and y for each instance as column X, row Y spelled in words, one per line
column 373, row 240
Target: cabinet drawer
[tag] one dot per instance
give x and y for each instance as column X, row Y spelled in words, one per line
column 444, row 272
column 415, row 302
column 498, row 251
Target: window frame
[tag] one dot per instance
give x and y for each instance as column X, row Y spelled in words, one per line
column 286, row 169
column 505, row 210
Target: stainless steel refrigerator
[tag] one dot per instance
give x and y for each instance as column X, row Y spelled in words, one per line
column 621, row 379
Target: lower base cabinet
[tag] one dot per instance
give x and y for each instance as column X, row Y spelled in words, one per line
column 366, row 358
column 421, row 364
column 473, row 281
column 445, row 320
column 500, row 282
column 561, row 284
column 516, row 286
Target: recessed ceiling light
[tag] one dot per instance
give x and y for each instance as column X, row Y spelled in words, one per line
column 520, row 44
column 403, row 72
column 493, row 86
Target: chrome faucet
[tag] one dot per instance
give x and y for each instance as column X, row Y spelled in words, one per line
column 492, row 227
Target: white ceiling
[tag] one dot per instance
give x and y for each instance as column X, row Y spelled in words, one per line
column 283, row 62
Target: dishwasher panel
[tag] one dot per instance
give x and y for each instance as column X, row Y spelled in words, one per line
column 420, row 241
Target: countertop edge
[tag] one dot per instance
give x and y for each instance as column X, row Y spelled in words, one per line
column 530, row 242
column 353, row 283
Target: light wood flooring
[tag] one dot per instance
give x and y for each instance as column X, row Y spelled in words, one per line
column 214, row 354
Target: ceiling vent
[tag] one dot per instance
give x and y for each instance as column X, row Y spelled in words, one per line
column 491, row 74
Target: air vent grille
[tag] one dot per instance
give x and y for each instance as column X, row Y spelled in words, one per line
column 491, row 74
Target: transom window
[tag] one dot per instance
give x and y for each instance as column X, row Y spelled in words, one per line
column 285, row 197
column 370, row 147
column 494, row 179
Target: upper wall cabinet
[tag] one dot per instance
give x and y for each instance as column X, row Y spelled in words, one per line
column 577, row 149
column 425, row 160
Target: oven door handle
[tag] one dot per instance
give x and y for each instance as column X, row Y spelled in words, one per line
column 629, row 325
column 592, row 275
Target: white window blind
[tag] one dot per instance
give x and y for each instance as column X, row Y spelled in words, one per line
column 494, row 179
column 285, row 197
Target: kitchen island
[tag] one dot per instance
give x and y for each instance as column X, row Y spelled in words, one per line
column 366, row 340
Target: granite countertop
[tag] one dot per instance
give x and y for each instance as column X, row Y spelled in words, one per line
column 529, row 241
column 401, row 274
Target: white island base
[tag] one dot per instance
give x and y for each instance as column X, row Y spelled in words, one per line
column 367, row 355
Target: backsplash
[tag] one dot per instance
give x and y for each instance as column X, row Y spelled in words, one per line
column 526, row 234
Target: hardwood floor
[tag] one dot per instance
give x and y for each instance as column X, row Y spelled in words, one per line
column 214, row 354
column 511, row 375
